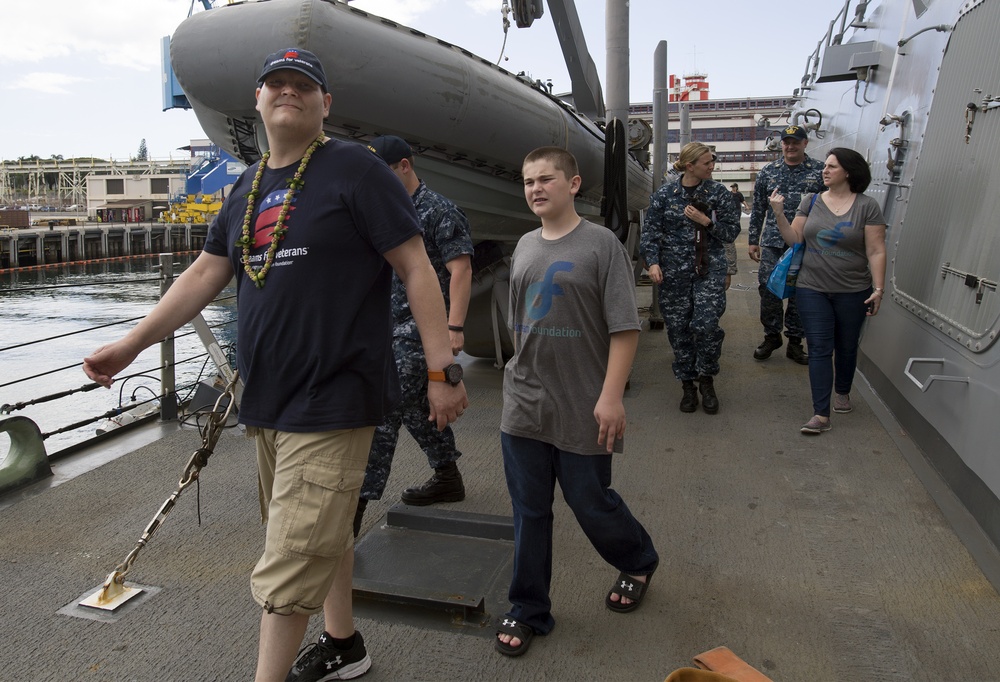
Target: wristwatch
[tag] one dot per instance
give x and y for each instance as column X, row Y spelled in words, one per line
column 451, row 374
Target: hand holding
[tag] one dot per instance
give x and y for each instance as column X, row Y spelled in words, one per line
column 873, row 302
column 694, row 215
column 447, row 402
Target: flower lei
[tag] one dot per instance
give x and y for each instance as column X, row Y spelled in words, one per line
column 295, row 184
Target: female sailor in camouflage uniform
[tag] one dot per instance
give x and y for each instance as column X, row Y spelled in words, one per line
column 689, row 220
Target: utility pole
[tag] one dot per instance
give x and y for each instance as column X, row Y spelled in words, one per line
column 661, row 117
column 616, row 30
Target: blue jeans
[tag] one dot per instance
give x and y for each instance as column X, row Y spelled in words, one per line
column 532, row 469
column 833, row 328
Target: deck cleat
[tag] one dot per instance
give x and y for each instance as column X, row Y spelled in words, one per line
column 113, row 594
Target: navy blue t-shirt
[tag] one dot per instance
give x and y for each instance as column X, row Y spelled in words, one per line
column 314, row 344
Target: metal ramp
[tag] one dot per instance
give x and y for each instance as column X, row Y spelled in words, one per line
column 436, row 565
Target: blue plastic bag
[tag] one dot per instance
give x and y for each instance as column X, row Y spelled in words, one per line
column 781, row 283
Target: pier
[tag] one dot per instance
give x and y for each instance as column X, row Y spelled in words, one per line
column 52, row 244
column 825, row 559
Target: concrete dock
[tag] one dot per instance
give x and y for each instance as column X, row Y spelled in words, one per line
column 69, row 240
column 813, row 558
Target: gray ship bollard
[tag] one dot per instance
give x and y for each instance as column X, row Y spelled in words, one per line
column 26, row 460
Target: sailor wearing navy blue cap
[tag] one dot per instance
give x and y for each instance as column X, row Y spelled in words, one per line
column 391, row 149
column 793, row 175
column 448, row 241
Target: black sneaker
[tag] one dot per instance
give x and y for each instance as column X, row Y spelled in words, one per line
column 322, row 661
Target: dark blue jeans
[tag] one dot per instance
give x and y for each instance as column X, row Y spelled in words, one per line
column 833, row 328
column 532, row 469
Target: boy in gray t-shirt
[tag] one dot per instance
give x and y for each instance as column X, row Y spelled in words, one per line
column 576, row 329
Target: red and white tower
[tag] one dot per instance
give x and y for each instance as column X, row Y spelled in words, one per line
column 695, row 88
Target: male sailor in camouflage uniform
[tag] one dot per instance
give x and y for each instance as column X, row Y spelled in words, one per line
column 792, row 175
column 448, row 241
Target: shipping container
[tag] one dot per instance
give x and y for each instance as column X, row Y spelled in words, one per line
column 13, row 218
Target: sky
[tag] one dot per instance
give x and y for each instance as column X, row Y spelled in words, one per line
column 81, row 78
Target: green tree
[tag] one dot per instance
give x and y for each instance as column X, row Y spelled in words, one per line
column 143, row 153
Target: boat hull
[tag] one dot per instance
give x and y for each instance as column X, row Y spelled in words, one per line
column 470, row 122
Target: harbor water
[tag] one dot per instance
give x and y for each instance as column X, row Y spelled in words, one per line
column 50, row 319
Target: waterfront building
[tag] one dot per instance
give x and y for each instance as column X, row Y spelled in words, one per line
column 115, row 189
column 132, row 198
column 59, row 183
column 743, row 131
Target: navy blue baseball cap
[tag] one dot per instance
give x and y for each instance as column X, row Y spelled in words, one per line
column 797, row 132
column 293, row 58
column 392, row 149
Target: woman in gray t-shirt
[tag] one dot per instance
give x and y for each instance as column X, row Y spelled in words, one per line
column 842, row 278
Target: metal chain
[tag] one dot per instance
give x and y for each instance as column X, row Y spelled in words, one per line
column 209, row 437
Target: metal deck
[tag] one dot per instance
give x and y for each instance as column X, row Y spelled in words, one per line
column 811, row 558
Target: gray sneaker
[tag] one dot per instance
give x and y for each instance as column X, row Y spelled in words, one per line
column 321, row 661
column 842, row 403
column 815, row 426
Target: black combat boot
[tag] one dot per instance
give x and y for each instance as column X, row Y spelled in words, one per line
column 768, row 346
column 444, row 486
column 689, row 403
column 794, row 351
column 709, row 401
column 358, row 514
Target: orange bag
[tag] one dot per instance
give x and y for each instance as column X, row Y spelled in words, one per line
column 718, row 665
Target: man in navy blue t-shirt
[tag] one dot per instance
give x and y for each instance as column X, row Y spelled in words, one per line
column 313, row 233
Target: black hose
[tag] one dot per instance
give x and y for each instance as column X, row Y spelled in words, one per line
column 614, row 206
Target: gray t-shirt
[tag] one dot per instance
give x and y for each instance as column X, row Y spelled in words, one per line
column 567, row 296
column 835, row 260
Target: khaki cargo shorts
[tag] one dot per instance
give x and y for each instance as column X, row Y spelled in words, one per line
column 309, row 487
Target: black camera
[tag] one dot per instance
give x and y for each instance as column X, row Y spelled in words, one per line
column 702, row 206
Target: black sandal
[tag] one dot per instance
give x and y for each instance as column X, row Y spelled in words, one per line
column 627, row 586
column 509, row 626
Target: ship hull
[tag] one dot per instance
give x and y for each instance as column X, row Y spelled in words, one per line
column 931, row 353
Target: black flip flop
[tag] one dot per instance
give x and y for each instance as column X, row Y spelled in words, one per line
column 627, row 586
column 509, row 626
